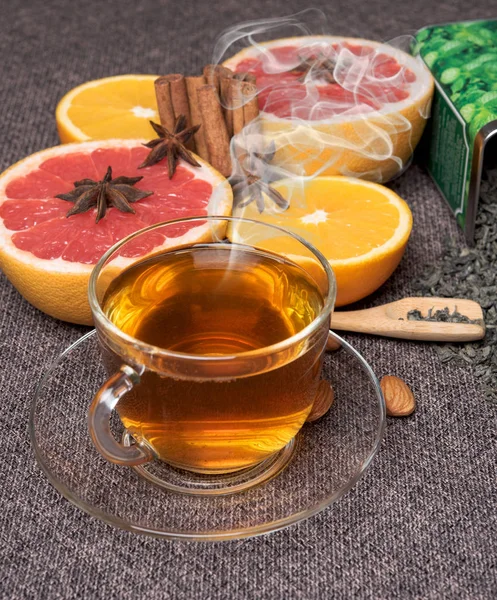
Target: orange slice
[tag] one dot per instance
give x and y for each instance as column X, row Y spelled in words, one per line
column 362, row 228
column 114, row 107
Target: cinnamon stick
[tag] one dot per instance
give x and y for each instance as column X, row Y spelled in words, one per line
column 214, row 74
column 179, row 99
column 225, row 94
column 223, row 71
column 236, row 104
column 222, row 76
column 211, row 76
column 192, row 85
column 215, row 132
column 164, row 102
column 243, row 76
column 250, row 100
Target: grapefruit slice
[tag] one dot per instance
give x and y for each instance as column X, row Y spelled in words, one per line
column 362, row 228
column 365, row 124
column 48, row 257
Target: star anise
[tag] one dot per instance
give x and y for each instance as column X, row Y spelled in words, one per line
column 319, row 66
column 171, row 145
column 118, row 192
column 250, row 187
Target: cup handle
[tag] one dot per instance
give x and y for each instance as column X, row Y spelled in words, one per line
column 103, row 404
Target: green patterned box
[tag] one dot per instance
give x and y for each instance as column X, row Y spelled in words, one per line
column 462, row 136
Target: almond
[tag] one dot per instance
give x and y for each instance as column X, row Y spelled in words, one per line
column 399, row 399
column 324, row 399
column 332, row 344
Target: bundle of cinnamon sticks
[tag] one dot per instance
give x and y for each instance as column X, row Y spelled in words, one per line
column 221, row 101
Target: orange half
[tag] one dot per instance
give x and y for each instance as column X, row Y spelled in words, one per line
column 362, row 228
column 114, row 107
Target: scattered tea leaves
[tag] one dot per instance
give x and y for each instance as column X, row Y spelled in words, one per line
column 470, row 273
column 441, row 315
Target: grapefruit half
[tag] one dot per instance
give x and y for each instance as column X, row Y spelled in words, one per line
column 364, row 124
column 48, row 257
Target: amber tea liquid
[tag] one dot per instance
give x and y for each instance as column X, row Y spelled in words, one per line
column 211, row 301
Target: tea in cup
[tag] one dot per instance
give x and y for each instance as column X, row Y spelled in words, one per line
column 214, row 342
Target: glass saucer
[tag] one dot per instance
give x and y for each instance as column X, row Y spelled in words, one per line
column 329, row 457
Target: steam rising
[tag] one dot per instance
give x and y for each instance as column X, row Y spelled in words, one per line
column 363, row 127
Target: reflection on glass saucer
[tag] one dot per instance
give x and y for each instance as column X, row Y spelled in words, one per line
column 329, row 457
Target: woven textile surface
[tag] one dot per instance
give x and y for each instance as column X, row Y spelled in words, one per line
column 422, row 523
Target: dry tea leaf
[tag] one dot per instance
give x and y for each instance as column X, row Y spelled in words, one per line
column 470, row 272
column 399, row 399
column 323, row 401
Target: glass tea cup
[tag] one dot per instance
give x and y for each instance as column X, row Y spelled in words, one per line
column 212, row 331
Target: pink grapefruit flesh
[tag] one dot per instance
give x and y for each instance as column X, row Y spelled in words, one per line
column 38, row 239
column 365, row 123
column 283, row 95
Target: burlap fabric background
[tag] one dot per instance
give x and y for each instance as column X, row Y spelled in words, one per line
column 421, row 524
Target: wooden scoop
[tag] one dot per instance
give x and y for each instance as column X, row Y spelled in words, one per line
column 391, row 320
